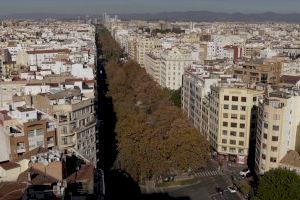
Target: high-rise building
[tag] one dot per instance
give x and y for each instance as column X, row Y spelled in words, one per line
column 277, row 129
column 232, row 120
column 259, row 71
column 173, row 63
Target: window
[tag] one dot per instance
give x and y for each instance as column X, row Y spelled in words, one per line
column 254, row 99
column 233, row 116
column 265, row 125
column 273, row 159
column 241, row 143
column 242, row 125
column 274, row 149
column 275, row 128
column 233, row 142
column 241, row 151
column 40, row 143
column 244, row 99
column 65, row 140
column 65, row 130
column 234, row 107
column 242, row 117
column 263, row 156
column 264, row 146
column 225, row 115
column 235, row 98
column 242, row 134
column 224, row 132
column 276, row 117
column 225, row 124
column 232, row 150
column 233, row 124
column 39, row 132
column 31, row 134
column 224, row 141
column 265, row 136
column 232, row 133
column 243, row 108
column 275, row 138
column 226, row 98
column 226, row 106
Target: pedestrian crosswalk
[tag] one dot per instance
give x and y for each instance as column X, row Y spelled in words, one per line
column 207, row 173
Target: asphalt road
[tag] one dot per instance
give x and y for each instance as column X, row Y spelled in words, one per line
column 205, row 190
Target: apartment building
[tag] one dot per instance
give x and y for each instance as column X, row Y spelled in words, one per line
column 153, row 64
column 144, row 45
column 132, row 48
column 37, row 57
column 27, row 136
column 232, row 120
column 253, row 49
column 173, row 63
column 277, row 129
column 259, row 71
column 75, row 119
column 23, row 129
column 195, row 89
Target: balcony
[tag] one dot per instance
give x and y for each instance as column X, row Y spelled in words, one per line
column 50, row 143
column 21, row 148
column 68, row 133
column 63, row 119
column 68, row 144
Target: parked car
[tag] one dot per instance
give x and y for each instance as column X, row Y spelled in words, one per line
column 169, row 178
column 245, row 173
column 231, row 189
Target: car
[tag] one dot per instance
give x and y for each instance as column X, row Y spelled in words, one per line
column 169, row 178
column 245, row 173
column 219, row 190
column 231, row 189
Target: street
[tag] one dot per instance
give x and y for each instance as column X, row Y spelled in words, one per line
column 204, row 190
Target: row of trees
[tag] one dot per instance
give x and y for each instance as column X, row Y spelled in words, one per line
column 154, row 138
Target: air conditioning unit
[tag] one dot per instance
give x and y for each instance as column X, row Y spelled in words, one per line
column 33, row 159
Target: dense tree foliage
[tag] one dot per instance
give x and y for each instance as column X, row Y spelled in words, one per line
column 279, row 184
column 175, row 97
column 154, row 138
column 109, row 47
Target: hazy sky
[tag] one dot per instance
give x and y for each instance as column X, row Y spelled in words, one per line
column 138, row 6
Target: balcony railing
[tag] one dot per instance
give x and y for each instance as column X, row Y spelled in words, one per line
column 21, row 149
column 50, row 143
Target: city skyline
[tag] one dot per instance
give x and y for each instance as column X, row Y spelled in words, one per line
column 142, row 6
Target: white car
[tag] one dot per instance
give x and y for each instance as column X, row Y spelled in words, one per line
column 231, row 189
column 245, row 172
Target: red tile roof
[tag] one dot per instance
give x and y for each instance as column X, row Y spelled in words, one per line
column 7, row 165
column 49, row 51
column 11, row 190
column 86, row 173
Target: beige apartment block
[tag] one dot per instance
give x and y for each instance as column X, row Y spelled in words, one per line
column 173, row 63
column 153, row 64
column 259, row 71
column 144, row 46
column 278, row 129
column 27, row 136
column 232, row 117
column 195, row 100
column 75, row 117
